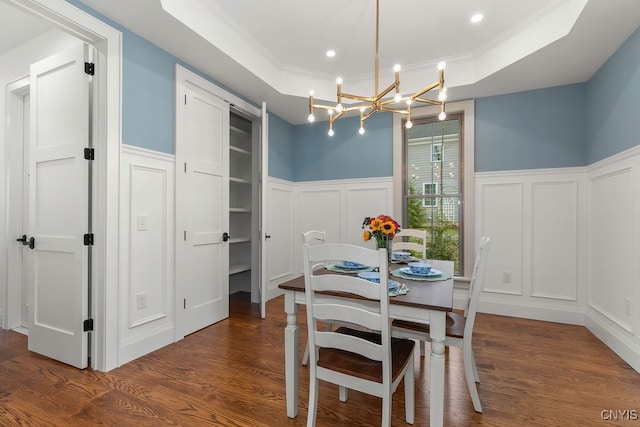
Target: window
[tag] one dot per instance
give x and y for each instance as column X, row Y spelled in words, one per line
column 436, row 152
column 433, row 181
column 429, row 188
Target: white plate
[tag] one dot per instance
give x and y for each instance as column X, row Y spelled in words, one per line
column 432, row 273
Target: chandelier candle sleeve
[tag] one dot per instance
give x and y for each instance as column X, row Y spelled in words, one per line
column 398, row 104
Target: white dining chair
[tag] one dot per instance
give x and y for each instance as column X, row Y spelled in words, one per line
column 313, row 237
column 459, row 330
column 369, row 362
column 405, row 239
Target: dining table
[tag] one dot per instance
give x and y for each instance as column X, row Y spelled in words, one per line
column 427, row 301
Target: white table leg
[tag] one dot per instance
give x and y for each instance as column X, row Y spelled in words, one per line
column 291, row 341
column 436, row 378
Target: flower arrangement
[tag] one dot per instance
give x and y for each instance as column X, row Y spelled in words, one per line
column 382, row 228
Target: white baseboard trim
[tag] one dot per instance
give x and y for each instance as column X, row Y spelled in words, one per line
column 547, row 313
column 620, row 343
column 142, row 344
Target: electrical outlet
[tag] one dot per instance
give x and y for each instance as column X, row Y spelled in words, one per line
column 627, row 306
column 506, row 277
column 143, row 222
column 141, row 300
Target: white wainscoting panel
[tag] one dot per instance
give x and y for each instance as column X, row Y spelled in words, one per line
column 611, row 255
column 146, row 252
column 554, row 239
column 280, row 247
column 537, row 223
column 613, row 262
column 502, row 220
column 318, row 210
column 339, row 207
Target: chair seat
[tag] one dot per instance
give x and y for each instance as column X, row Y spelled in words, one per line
column 359, row 366
column 455, row 325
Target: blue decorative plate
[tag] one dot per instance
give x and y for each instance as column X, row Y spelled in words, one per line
column 408, row 272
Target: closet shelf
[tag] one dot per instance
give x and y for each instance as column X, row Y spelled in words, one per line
column 239, row 180
column 240, row 239
column 239, row 210
column 239, row 268
column 239, row 150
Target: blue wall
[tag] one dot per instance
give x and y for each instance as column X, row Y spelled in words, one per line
column 613, row 99
column 565, row 126
column 347, row 154
column 531, row 130
column 281, row 147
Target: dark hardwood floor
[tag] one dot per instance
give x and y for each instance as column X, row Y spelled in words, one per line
column 232, row 374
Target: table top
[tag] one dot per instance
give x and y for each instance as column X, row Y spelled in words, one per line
column 433, row 295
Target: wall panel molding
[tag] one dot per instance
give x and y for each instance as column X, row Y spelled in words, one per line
column 146, row 252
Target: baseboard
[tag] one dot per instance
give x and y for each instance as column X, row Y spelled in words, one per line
column 622, row 343
column 548, row 313
column 142, row 344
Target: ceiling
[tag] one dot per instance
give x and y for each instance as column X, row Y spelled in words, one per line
column 274, row 50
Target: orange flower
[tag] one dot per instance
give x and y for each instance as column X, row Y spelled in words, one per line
column 366, row 235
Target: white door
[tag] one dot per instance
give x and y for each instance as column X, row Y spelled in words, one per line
column 202, row 210
column 59, row 207
column 264, row 173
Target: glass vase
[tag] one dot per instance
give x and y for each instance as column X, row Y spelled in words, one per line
column 385, row 242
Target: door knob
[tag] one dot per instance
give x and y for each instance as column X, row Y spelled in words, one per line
column 22, row 239
column 225, row 236
column 267, row 236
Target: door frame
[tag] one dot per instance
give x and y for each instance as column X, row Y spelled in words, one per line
column 107, row 140
column 16, row 219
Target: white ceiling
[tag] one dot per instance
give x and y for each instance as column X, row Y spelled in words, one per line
column 273, row 50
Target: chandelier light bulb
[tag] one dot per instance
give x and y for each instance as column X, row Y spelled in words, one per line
column 442, row 65
column 331, row 133
column 339, row 80
column 409, row 101
column 442, row 95
column 311, row 118
column 339, row 108
column 396, row 68
column 397, row 97
column 361, row 131
column 330, row 112
column 311, row 93
column 442, row 115
column 409, row 124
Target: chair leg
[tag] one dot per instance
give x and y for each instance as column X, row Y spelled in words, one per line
column 313, row 402
column 386, row 408
column 344, row 393
column 305, row 357
column 475, row 367
column 469, row 368
column 409, row 393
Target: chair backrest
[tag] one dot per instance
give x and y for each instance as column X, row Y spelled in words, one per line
column 349, row 307
column 476, row 284
column 399, row 242
column 314, row 237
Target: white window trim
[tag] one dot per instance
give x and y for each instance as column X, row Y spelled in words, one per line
column 468, row 210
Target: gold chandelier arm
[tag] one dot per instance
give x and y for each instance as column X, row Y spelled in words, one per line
column 358, row 97
column 425, row 90
column 428, row 101
column 394, row 110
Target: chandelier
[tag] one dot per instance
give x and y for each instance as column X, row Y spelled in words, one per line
column 368, row 106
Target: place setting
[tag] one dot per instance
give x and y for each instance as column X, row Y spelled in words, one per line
column 395, row 288
column 401, row 257
column 348, row 267
column 420, row 270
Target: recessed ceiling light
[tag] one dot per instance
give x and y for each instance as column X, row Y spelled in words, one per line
column 331, row 53
column 477, row 18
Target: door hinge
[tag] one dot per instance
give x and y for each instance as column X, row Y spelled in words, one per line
column 88, row 239
column 184, row 302
column 89, row 154
column 89, row 68
column 87, row 325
